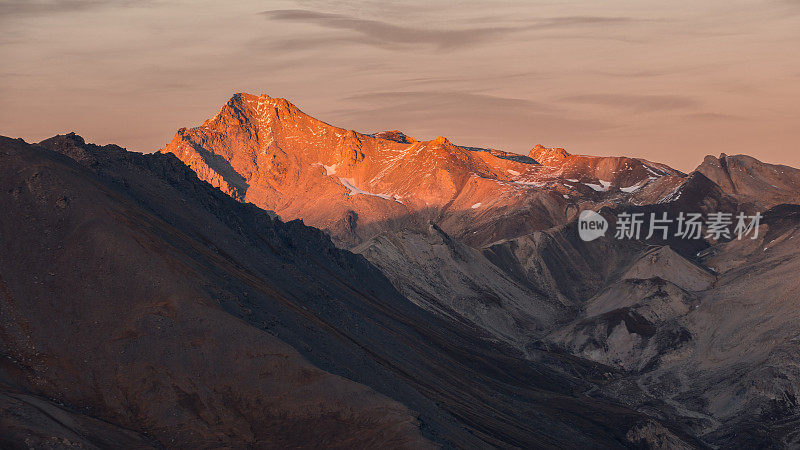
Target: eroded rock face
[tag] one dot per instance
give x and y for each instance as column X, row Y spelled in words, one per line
column 456, row 281
column 706, row 327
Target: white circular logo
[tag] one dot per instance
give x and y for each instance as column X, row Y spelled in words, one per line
column 591, row 225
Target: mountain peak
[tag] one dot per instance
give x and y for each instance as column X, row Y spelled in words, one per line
column 243, row 107
column 440, row 140
column 756, row 181
column 241, row 97
column 265, row 151
column 396, row 136
column 69, row 138
column 546, row 155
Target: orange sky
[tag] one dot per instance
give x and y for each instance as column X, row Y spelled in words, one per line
column 668, row 81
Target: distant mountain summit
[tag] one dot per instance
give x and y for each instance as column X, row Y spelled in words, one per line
column 765, row 185
column 266, row 151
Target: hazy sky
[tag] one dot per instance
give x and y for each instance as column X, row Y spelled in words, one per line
column 670, row 81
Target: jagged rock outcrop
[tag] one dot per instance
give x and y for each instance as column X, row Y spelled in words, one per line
column 628, row 174
column 750, row 180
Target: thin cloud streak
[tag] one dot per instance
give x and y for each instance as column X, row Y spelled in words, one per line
column 710, row 116
column 454, row 98
column 381, row 34
column 636, row 103
column 26, row 7
column 12, row 8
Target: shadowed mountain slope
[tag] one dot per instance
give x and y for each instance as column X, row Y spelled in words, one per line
column 487, row 239
column 139, row 296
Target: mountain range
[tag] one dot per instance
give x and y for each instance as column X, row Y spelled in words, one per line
column 270, row 280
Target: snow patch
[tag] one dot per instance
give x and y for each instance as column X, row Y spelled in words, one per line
column 652, row 170
column 531, row 183
column 329, row 170
column 635, row 187
column 476, row 205
column 602, row 187
column 672, row 196
column 349, row 183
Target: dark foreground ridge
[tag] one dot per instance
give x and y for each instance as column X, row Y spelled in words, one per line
column 141, row 307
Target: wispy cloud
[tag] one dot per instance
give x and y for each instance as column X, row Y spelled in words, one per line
column 468, row 100
column 712, row 117
column 380, row 33
column 19, row 7
column 573, row 21
column 470, row 80
column 37, row 7
column 13, row 9
column 636, row 103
